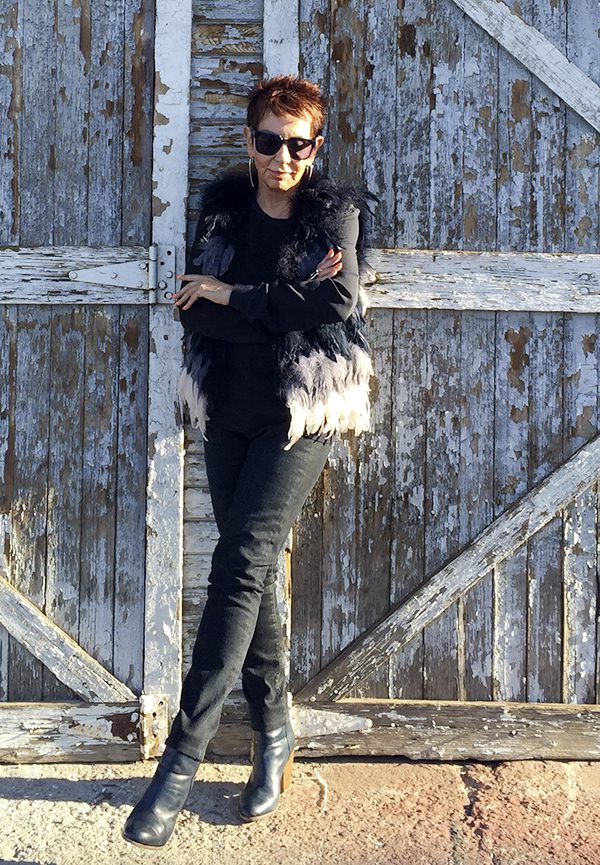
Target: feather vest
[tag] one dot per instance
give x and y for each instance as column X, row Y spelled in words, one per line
column 323, row 373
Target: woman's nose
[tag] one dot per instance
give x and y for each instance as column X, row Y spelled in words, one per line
column 283, row 155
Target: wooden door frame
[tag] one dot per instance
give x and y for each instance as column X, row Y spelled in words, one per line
column 112, row 722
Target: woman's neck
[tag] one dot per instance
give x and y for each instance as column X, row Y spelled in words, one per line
column 273, row 203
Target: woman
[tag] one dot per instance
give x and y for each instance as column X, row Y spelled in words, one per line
column 276, row 362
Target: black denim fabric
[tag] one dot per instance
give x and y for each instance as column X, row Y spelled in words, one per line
column 257, row 490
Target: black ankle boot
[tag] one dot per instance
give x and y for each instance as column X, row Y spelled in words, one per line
column 272, row 755
column 152, row 821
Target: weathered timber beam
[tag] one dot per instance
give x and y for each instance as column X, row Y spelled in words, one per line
column 281, row 37
column 69, row 732
column 57, row 650
column 496, row 543
column 40, row 275
column 537, row 54
column 433, row 730
column 529, row 281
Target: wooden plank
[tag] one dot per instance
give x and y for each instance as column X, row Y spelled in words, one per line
column 544, row 564
column 515, row 146
column 67, row 732
column 416, row 34
column 432, row 730
column 375, row 528
column 442, row 460
column 340, row 481
column 346, row 90
column 41, row 275
column 446, row 129
column 8, row 395
column 511, row 473
column 409, row 370
column 63, row 528
column 480, row 145
column 281, row 37
column 138, row 100
column 495, row 543
column 35, row 111
column 131, row 455
column 104, row 62
column 580, row 590
column 307, row 598
column 27, row 551
column 59, row 652
column 219, row 88
column 315, row 18
column 71, row 135
column 10, row 85
column 222, row 10
column 485, row 280
column 98, row 517
column 164, row 491
column 476, row 496
column 537, row 54
column 226, row 38
column 379, row 166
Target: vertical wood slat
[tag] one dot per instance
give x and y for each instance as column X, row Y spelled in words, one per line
column 476, row 499
column 72, row 132
column 132, row 448
column 441, row 638
column 99, row 483
column 8, row 356
column 408, row 370
column 515, row 136
column 379, row 168
column 346, row 94
column 315, row 31
column 307, row 599
column 10, row 87
column 544, row 568
column 446, row 128
column 104, row 56
column 36, row 120
column 30, row 491
column 580, row 590
column 138, row 100
column 413, row 118
column 511, row 467
column 374, row 503
column 63, row 579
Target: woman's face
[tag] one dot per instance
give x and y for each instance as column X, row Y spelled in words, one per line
column 282, row 172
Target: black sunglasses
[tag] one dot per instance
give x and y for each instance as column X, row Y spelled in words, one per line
column 268, row 143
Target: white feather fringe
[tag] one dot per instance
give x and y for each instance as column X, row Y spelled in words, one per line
column 189, row 394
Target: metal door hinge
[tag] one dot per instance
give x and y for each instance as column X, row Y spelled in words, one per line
column 156, row 274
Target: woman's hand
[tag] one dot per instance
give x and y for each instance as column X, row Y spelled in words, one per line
column 329, row 266
column 201, row 286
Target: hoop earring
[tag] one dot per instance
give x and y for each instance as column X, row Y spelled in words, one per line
column 308, row 173
column 250, row 163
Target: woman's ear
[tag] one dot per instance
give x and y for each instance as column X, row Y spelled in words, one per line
column 249, row 143
column 319, row 140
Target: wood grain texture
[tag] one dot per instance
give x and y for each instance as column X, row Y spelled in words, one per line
column 66, row 732
column 511, row 473
column 63, row 529
column 497, row 542
column 30, row 491
column 61, row 654
column 346, row 89
column 441, row 675
column 11, row 53
column 130, row 513
column 432, row 730
column 409, row 401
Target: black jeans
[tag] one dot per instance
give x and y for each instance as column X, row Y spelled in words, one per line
column 257, row 490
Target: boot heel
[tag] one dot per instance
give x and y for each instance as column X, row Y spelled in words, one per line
column 286, row 778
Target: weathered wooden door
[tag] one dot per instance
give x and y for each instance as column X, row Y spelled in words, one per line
column 93, row 183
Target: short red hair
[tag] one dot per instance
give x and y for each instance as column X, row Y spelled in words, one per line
column 287, row 94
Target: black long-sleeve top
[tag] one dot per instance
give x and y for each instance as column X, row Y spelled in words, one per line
column 261, row 307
